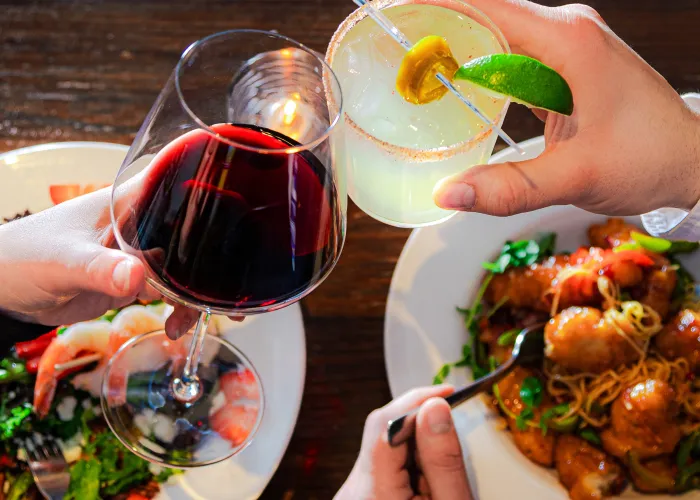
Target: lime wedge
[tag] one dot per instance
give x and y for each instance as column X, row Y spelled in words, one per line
column 523, row 79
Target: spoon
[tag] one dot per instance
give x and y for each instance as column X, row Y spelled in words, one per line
column 528, row 348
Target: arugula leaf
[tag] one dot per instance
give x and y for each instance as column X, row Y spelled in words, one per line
column 63, row 429
column 683, row 280
column 166, row 474
column 497, row 306
column 522, row 253
column 525, row 416
column 84, row 480
column 548, row 242
column 474, row 353
column 12, row 420
column 443, row 373
column 531, row 392
column 591, row 436
column 683, row 247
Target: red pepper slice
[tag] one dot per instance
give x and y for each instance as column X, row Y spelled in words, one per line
column 635, row 256
column 33, row 348
column 33, row 365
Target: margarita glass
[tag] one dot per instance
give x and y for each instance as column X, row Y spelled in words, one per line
column 395, row 152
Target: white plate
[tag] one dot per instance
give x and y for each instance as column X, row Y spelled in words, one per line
column 274, row 342
column 440, row 268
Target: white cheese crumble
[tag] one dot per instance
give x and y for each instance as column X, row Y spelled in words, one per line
column 72, row 448
column 66, row 408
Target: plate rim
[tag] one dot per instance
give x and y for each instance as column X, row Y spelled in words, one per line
column 54, row 146
column 401, row 261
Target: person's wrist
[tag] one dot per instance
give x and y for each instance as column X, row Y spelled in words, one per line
column 691, row 148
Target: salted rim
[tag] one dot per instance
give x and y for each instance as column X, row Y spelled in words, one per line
column 408, row 153
column 335, row 112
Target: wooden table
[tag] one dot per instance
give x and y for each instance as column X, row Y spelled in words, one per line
column 89, row 70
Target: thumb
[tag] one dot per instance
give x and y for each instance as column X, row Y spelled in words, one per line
column 440, row 452
column 511, row 188
column 113, row 273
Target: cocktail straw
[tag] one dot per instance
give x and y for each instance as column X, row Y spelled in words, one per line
column 396, row 34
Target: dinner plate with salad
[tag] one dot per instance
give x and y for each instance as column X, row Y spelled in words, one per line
column 33, row 179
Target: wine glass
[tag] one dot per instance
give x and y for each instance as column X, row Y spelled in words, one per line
column 230, row 196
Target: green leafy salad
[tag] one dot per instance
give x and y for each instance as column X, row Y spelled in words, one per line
column 100, row 466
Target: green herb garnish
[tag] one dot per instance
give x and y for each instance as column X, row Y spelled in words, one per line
column 522, row 253
column 531, row 392
column 526, row 415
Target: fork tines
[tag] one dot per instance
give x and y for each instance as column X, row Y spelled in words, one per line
column 41, row 448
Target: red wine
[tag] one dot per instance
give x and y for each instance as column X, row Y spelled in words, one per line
column 229, row 227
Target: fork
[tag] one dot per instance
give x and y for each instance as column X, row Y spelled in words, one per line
column 48, row 466
column 528, row 348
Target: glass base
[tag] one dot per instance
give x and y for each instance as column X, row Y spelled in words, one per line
column 405, row 225
column 141, row 408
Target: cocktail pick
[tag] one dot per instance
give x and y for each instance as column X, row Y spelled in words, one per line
column 401, row 39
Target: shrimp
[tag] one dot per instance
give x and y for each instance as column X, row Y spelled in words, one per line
column 235, row 418
column 76, row 340
column 581, row 340
column 128, row 323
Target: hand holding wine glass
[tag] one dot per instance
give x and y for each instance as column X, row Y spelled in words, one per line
column 59, row 265
column 230, row 198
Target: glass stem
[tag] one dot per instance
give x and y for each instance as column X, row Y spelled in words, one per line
column 187, row 388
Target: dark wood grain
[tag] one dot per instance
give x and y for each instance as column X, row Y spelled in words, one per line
column 90, row 70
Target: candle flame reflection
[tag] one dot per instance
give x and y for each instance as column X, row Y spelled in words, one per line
column 290, row 111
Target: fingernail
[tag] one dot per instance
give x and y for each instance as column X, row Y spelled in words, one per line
column 121, row 276
column 456, row 196
column 439, row 419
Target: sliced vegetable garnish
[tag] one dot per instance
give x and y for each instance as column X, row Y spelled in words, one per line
column 591, row 436
column 656, row 481
column 508, row 338
column 109, row 315
column 657, row 245
column 566, row 425
column 33, row 348
column 20, row 486
column 523, row 79
column 551, row 413
column 416, row 81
